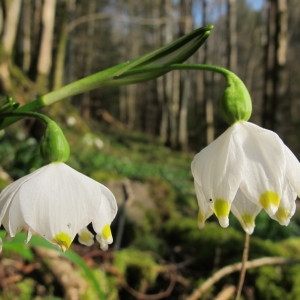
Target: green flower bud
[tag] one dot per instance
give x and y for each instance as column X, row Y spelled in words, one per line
column 236, row 102
column 54, row 147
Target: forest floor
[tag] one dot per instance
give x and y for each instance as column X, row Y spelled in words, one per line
column 158, row 251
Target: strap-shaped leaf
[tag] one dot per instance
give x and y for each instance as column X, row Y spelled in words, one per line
column 175, row 52
column 156, row 61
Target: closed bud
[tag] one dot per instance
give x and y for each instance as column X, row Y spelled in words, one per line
column 54, row 147
column 236, row 102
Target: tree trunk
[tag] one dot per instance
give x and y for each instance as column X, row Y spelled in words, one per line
column 275, row 60
column 130, row 92
column 185, row 27
column 45, row 54
column 26, row 35
column 59, row 64
column 86, row 99
column 166, row 84
column 208, row 102
column 232, row 35
column 11, row 22
column 284, row 103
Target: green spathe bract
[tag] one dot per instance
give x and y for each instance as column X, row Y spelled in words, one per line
column 236, row 102
column 175, row 52
column 54, row 146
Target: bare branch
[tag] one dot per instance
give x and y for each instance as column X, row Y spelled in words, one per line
column 237, row 267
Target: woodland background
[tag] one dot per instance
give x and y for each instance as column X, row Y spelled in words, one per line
column 140, row 139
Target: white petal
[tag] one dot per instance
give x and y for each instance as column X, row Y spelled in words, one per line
column 224, row 222
column 292, row 170
column 245, row 211
column 10, row 212
column 8, row 194
column 264, row 167
column 105, row 215
column 85, row 237
column 217, row 168
column 205, row 210
column 102, row 242
column 64, row 201
column 287, row 206
column 14, row 221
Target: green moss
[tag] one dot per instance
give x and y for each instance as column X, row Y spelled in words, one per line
column 138, row 268
column 269, row 283
column 26, row 289
column 107, row 284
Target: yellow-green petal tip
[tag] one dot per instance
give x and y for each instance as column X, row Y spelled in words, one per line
column 63, row 240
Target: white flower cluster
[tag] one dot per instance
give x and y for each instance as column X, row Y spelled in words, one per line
column 57, row 202
column 244, row 170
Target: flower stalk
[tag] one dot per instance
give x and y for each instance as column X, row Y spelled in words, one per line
column 243, row 267
column 54, row 146
column 176, row 52
column 236, row 102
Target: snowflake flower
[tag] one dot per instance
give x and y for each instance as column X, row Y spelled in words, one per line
column 244, row 170
column 58, row 202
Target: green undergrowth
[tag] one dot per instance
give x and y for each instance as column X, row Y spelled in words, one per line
column 165, row 237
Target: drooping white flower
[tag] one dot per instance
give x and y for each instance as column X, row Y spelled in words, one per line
column 57, row 202
column 244, row 170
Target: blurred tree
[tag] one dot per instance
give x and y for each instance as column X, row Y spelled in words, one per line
column 232, row 55
column 208, row 103
column 85, row 104
column 129, row 94
column 11, row 12
column 275, row 83
column 45, row 55
column 185, row 26
column 43, row 48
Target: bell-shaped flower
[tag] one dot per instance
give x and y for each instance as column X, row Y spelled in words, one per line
column 244, row 170
column 57, row 202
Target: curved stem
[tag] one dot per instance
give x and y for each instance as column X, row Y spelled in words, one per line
column 17, row 114
column 173, row 67
column 24, row 110
column 243, row 268
column 110, row 77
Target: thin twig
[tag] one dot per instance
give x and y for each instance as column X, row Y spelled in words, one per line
column 198, row 292
column 226, row 293
column 243, row 267
column 160, row 295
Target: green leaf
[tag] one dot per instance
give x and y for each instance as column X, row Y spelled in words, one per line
column 18, row 246
column 176, row 52
column 38, row 241
column 77, row 260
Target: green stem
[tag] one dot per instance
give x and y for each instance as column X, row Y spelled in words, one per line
column 110, row 77
column 102, row 79
column 236, row 104
column 18, row 114
column 54, row 147
column 229, row 76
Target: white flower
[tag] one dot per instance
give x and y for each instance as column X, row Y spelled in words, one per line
column 244, row 170
column 58, row 202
